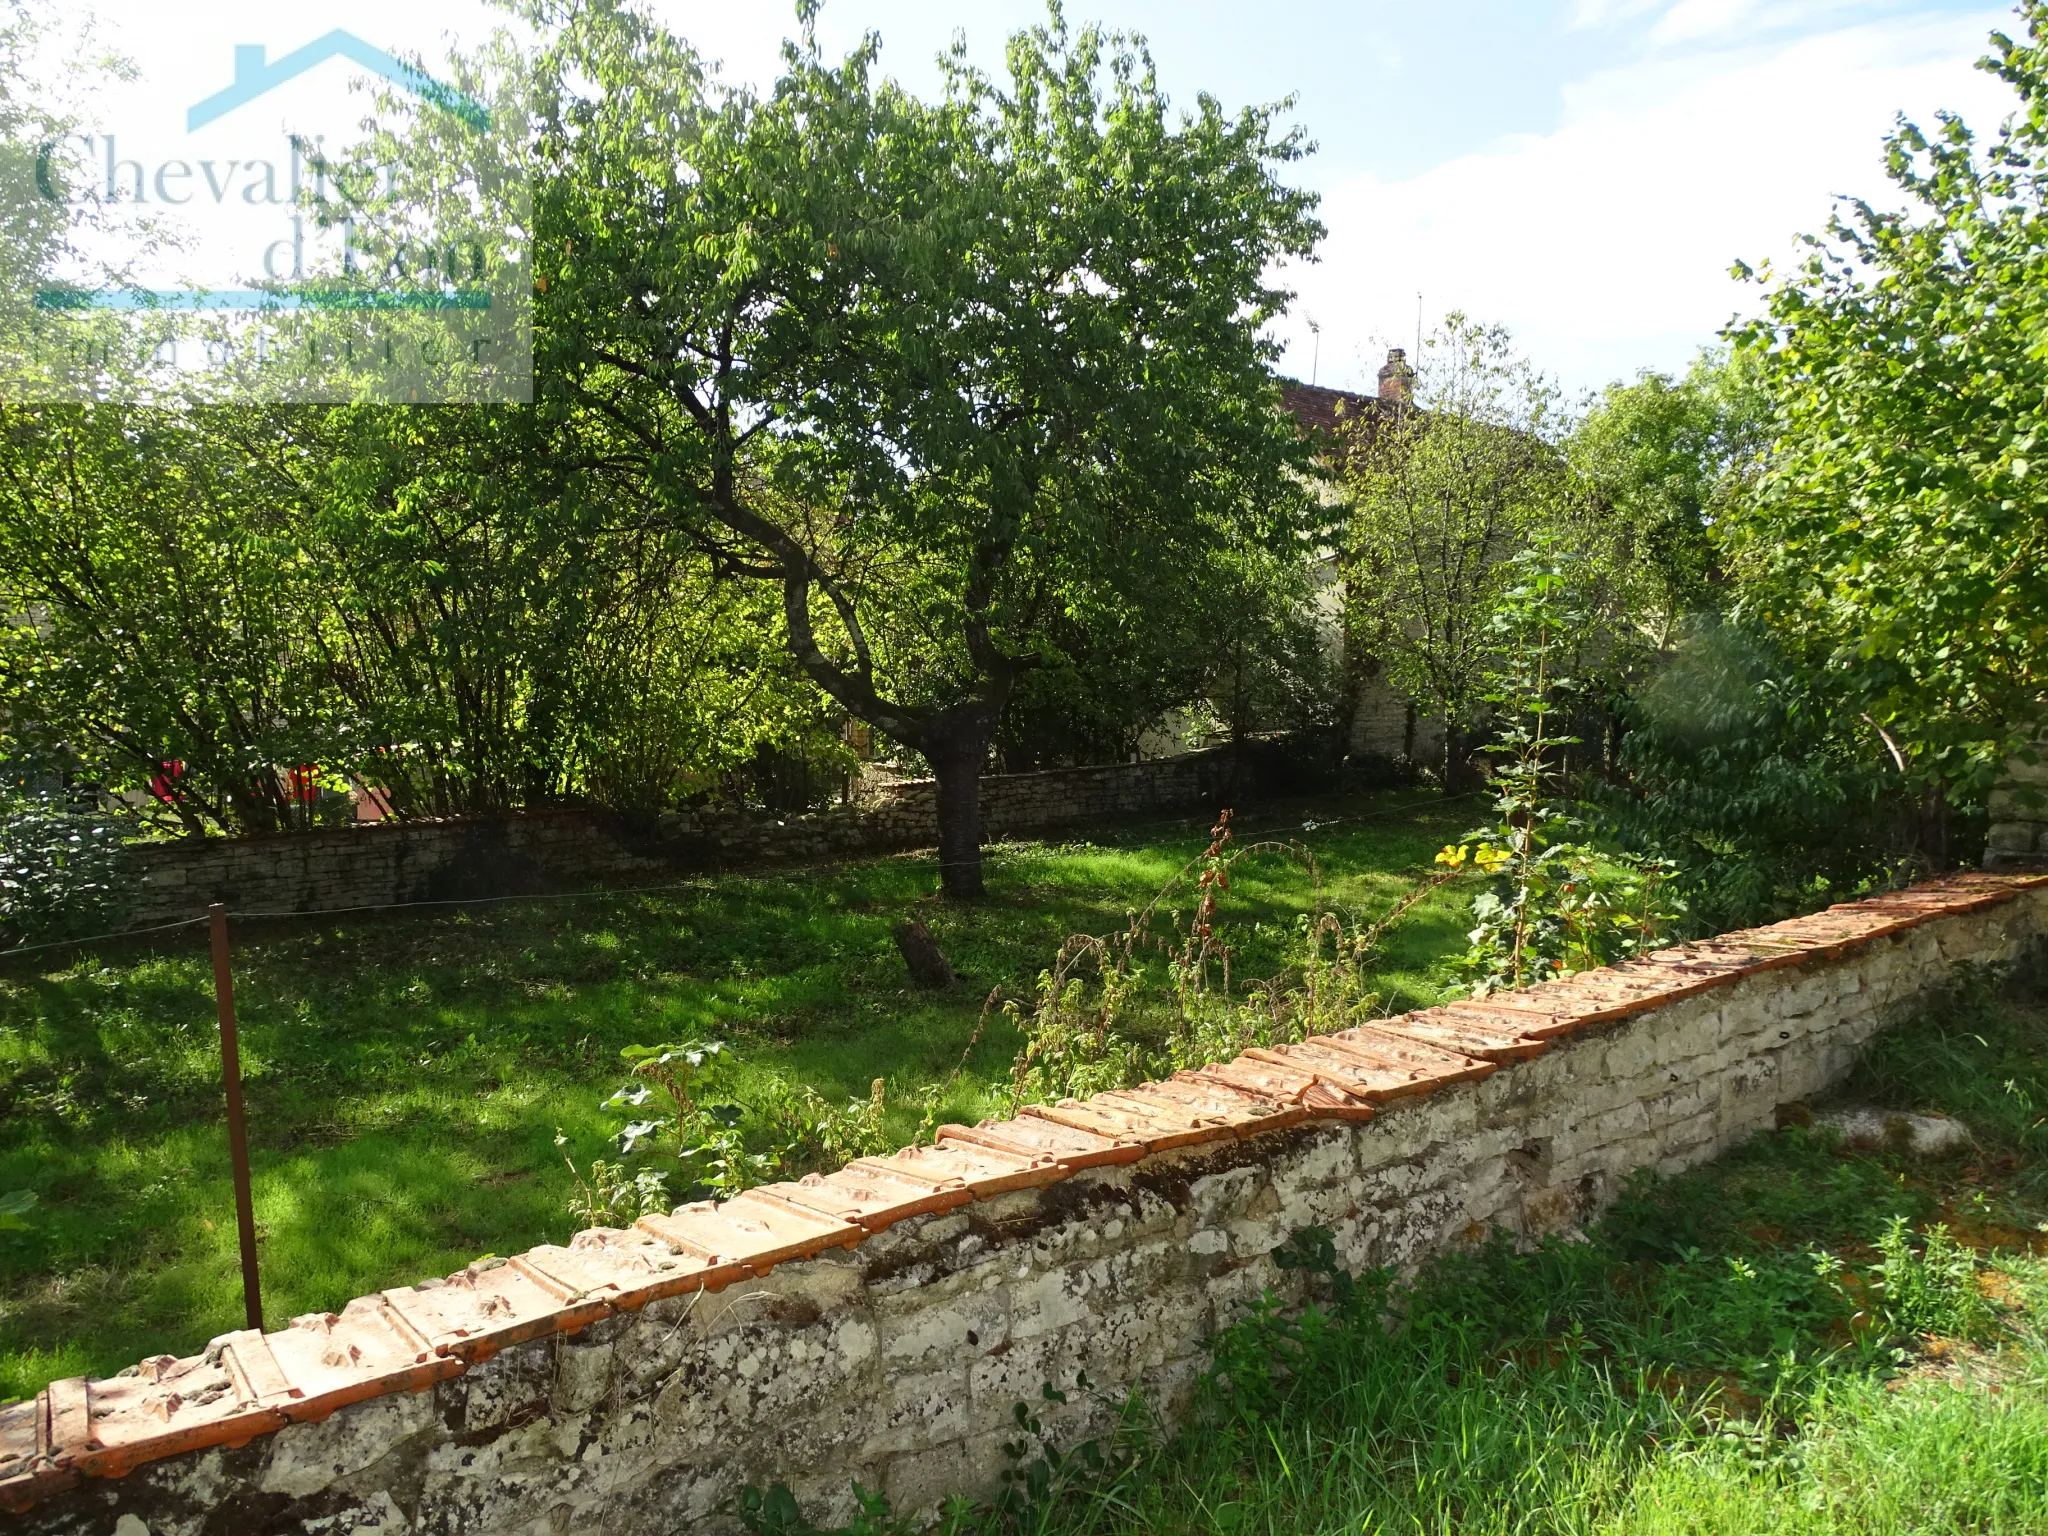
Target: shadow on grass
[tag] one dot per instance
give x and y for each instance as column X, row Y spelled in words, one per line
column 406, row 1073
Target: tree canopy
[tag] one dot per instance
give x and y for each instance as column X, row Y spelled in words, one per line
column 847, row 403
column 965, row 380
column 1896, row 538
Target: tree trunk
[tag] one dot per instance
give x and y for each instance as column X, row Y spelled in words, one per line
column 1455, row 770
column 957, row 767
column 927, row 963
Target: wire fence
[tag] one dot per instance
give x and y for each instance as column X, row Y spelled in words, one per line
column 997, row 856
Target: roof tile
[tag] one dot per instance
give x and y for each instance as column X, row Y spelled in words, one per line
column 1376, row 1081
column 1419, row 1060
column 1246, row 1111
column 870, row 1200
column 1036, row 1136
column 1432, row 1026
column 1290, row 1084
column 750, row 1232
column 983, row 1171
column 1157, row 1128
column 643, row 1267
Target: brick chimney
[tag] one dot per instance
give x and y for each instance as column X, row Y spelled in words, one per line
column 1397, row 379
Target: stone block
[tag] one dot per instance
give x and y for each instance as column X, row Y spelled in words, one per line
column 303, row 1459
column 921, row 1334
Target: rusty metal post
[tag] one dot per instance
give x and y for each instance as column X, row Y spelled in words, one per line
column 238, row 1131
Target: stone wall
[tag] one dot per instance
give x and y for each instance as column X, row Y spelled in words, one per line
column 388, row 863
column 879, row 1324
column 2018, row 838
column 1386, row 726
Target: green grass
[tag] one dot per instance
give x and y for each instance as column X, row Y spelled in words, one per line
column 1741, row 1350
column 406, row 1073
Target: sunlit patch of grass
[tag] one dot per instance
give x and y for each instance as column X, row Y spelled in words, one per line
column 406, row 1073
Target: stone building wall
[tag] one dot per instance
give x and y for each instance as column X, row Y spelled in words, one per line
column 1386, row 726
column 879, row 1324
column 387, row 863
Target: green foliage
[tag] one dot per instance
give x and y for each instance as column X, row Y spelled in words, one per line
column 500, row 638
column 1444, row 498
column 730, row 1132
column 1667, row 460
column 436, row 605
column 14, row 1207
column 1241, row 653
column 55, row 65
column 615, row 1195
column 1930, row 1286
column 936, row 371
column 1751, row 786
column 1555, row 905
column 162, row 606
column 63, row 870
column 848, row 403
column 1079, row 1041
column 810, row 1134
column 1895, row 541
column 1441, row 500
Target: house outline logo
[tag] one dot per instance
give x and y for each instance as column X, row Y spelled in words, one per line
column 256, row 75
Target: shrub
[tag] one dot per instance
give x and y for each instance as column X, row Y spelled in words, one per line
column 1556, row 905
column 1081, row 1040
column 1765, row 802
column 63, row 871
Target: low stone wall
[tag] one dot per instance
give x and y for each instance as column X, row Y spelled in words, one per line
column 880, row 1323
column 388, row 863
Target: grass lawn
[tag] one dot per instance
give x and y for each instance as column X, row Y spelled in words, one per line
column 406, row 1074
column 1753, row 1348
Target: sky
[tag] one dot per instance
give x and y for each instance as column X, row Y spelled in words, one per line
column 1582, row 171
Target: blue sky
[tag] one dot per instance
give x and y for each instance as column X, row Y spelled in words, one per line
column 1387, row 86
column 1584, row 171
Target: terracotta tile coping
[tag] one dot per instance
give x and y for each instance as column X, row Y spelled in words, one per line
column 248, row 1383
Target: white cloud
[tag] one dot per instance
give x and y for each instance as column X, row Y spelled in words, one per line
column 1606, row 13
column 1606, row 244
column 1692, row 21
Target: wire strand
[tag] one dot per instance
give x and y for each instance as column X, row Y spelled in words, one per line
column 95, row 938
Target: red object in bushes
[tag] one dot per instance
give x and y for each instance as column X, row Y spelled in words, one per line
column 163, row 784
column 301, row 785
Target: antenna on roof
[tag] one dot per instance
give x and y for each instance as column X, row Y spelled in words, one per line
column 1315, row 357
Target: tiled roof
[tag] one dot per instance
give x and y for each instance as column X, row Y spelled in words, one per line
column 250, row 1383
column 1323, row 410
